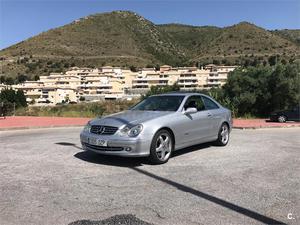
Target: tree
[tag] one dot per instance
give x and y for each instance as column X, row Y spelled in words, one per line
column 157, row 67
column 261, row 90
column 283, row 61
column 36, row 77
column 20, row 99
column 225, row 61
column 272, row 60
column 2, row 79
column 21, row 78
column 149, row 66
column 11, row 96
column 216, row 62
column 133, row 68
column 9, row 81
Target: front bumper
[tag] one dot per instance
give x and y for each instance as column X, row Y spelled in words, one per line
column 116, row 145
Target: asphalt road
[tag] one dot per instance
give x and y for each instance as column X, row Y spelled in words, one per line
column 45, row 178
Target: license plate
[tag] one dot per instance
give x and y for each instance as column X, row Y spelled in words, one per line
column 96, row 141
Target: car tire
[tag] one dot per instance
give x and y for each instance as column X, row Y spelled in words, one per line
column 161, row 147
column 282, row 119
column 223, row 135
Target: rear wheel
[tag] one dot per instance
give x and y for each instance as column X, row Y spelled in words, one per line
column 223, row 135
column 161, row 147
column 282, row 119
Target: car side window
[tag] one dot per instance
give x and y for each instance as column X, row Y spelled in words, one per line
column 209, row 104
column 194, row 102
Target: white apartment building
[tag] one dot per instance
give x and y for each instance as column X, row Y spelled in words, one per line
column 107, row 82
column 188, row 78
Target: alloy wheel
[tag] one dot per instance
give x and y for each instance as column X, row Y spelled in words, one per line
column 224, row 134
column 163, row 146
column 281, row 119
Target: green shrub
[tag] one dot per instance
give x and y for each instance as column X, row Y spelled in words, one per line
column 89, row 110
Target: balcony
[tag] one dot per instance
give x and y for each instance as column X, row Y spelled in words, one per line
column 187, row 81
column 150, row 79
column 140, row 86
column 187, row 76
column 214, row 82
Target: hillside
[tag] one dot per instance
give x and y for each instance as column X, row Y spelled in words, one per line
column 240, row 41
column 193, row 39
column 123, row 38
column 292, row 35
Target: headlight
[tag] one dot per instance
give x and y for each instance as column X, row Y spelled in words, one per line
column 133, row 131
column 87, row 127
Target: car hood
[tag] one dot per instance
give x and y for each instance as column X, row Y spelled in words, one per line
column 129, row 117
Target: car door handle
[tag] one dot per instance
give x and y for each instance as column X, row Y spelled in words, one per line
column 209, row 114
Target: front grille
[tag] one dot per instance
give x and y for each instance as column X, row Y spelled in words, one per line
column 104, row 148
column 103, row 130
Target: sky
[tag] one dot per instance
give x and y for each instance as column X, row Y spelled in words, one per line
column 21, row 19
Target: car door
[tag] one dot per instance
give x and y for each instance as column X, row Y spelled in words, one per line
column 294, row 114
column 196, row 126
column 215, row 115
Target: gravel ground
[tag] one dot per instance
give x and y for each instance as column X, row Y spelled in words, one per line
column 47, row 179
column 114, row 220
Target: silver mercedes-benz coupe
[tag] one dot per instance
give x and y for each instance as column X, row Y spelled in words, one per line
column 159, row 125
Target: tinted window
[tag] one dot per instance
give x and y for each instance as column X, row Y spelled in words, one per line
column 209, row 104
column 159, row 103
column 194, row 102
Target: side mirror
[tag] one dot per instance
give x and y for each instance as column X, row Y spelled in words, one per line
column 190, row 111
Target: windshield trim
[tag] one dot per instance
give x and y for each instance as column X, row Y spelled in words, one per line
column 179, row 97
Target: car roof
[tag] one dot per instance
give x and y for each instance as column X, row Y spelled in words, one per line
column 178, row 93
column 187, row 94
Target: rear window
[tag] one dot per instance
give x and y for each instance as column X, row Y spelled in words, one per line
column 194, row 102
column 209, row 104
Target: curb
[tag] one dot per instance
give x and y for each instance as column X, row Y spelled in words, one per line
column 267, row 127
column 62, row 126
column 38, row 127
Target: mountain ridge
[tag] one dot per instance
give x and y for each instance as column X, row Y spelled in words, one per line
column 124, row 38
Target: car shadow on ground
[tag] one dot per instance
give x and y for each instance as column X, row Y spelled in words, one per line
column 92, row 157
column 68, row 144
column 190, row 149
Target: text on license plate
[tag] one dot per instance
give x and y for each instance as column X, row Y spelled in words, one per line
column 96, row 141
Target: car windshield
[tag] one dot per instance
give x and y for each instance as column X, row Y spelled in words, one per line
column 159, row 103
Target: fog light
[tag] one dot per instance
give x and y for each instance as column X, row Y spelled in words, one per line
column 127, row 149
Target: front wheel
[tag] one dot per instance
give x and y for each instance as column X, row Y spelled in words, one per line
column 223, row 135
column 161, row 147
column 282, row 119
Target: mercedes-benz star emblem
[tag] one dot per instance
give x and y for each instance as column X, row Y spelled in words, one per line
column 101, row 130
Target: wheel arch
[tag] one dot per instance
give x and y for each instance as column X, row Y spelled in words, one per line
column 283, row 114
column 227, row 123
